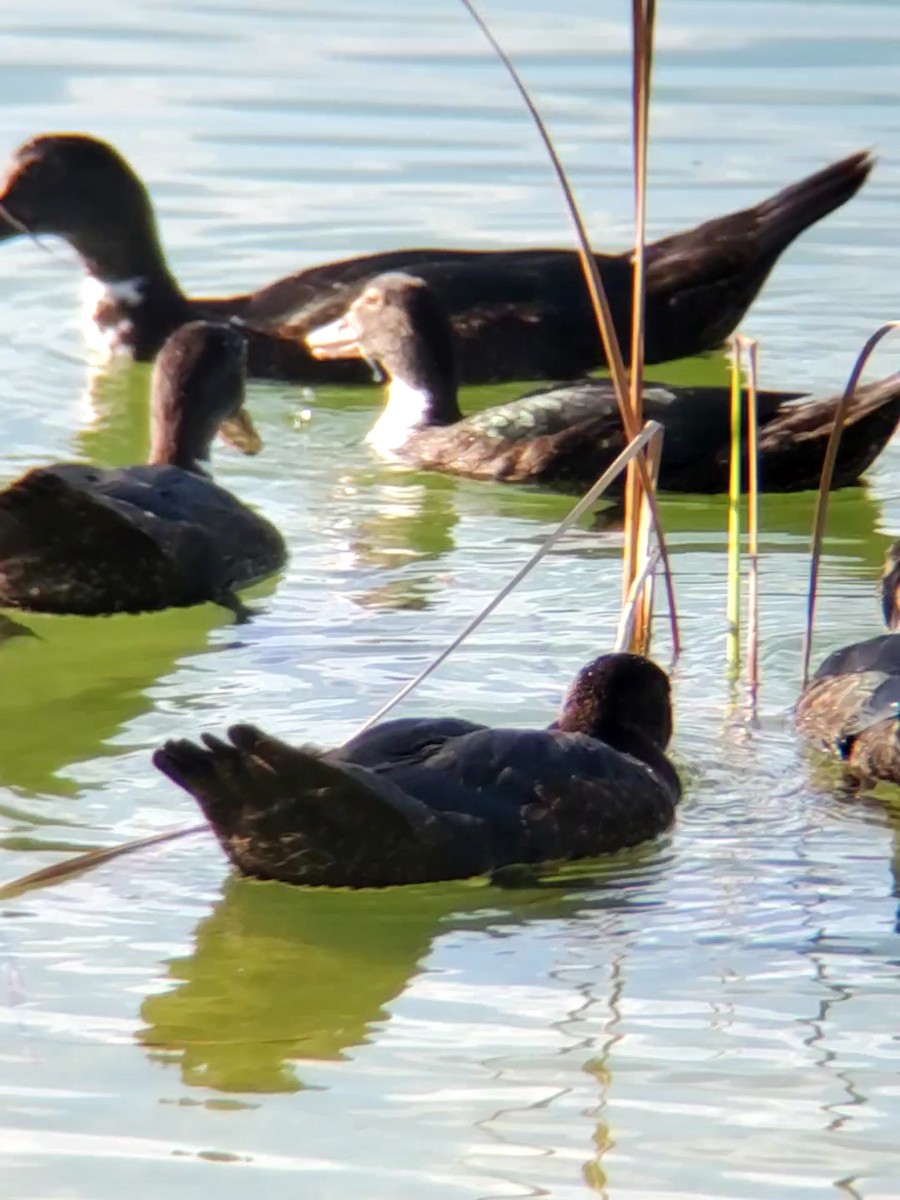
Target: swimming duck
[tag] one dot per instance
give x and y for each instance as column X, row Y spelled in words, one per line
column 81, row 539
column 851, row 706
column 420, row 799
column 566, row 436
column 518, row 314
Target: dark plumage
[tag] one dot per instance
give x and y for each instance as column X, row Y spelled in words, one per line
column 518, row 314
column 566, row 436
column 851, row 706
column 80, row 539
column 415, row 800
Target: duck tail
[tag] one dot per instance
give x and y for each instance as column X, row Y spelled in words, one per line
column 288, row 813
column 785, row 215
column 793, row 445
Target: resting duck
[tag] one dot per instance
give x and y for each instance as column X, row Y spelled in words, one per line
column 518, row 314
column 413, row 800
column 851, row 706
column 81, row 539
column 566, row 436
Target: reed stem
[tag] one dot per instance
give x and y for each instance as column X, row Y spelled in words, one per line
column 751, row 348
column 601, row 308
column 821, row 513
column 733, row 601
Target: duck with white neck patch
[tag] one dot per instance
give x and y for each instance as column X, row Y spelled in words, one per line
column 519, row 314
column 564, row 437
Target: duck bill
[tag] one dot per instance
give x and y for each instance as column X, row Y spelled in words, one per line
column 240, row 432
column 337, row 339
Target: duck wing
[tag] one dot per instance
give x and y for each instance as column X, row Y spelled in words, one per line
column 793, row 436
column 287, row 813
column 65, row 550
column 175, row 505
column 707, row 277
column 543, row 794
column 77, row 539
column 839, row 699
column 566, row 436
column 851, row 705
column 402, row 738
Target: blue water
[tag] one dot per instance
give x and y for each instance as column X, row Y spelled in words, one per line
column 711, row 1016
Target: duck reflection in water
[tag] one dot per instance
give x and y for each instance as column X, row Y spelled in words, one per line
column 394, row 540
column 277, row 978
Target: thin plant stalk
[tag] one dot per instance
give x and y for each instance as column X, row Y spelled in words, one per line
column 752, row 413
column 825, row 481
column 643, row 16
column 642, row 626
column 68, row 867
column 651, row 433
column 634, row 599
column 600, row 305
column 733, row 602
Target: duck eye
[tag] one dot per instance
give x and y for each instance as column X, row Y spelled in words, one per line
column 371, row 298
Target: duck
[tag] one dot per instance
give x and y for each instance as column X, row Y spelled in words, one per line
column 851, row 706
column 518, row 314
column 564, row 437
column 91, row 541
column 414, row 800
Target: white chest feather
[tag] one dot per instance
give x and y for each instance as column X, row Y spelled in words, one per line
column 406, row 411
column 106, row 314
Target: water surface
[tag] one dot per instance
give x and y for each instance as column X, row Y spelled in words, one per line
column 710, row 1016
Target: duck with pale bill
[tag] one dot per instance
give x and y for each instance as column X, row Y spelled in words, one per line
column 76, row 538
column 518, row 314
column 565, row 436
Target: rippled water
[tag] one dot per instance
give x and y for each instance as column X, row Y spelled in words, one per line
column 711, row 1016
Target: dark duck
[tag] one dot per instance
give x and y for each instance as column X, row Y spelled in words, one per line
column 81, row 539
column 851, row 706
column 420, row 799
column 566, row 436
column 518, row 314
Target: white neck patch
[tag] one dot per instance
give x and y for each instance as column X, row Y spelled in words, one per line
column 106, row 334
column 406, row 411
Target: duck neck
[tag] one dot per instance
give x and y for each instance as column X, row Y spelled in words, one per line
column 131, row 301
column 631, row 739
column 128, row 253
column 415, row 399
column 177, row 440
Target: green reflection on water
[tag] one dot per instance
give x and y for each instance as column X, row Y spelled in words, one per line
column 279, row 974
column 66, row 691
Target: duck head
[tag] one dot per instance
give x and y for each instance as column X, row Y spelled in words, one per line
column 79, row 188
column 617, row 694
column 398, row 323
column 197, row 391
column 890, row 588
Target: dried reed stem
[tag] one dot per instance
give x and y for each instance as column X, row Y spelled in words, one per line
column 827, row 476
column 90, row 859
column 601, row 308
column 643, row 13
column 651, row 433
